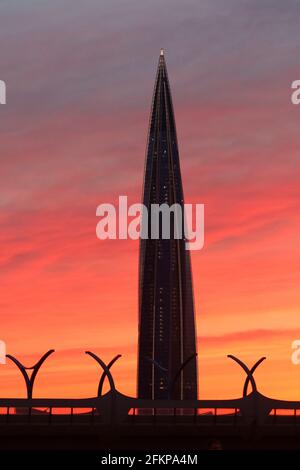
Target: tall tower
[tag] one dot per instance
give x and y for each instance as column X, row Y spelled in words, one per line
column 167, row 365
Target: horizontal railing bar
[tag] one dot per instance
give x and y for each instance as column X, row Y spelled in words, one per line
column 49, row 402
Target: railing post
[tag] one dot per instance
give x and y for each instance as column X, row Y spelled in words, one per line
column 50, row 415
column 235, row 416
column 195, row 415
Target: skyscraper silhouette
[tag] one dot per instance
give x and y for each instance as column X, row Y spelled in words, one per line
column 167, row 346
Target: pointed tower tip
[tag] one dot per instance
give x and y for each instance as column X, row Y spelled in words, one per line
column 162, row 51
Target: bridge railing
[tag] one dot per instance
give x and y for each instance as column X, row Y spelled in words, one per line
column 179, row 416
column 114, row 408
column 19, row 415
column 283, row 417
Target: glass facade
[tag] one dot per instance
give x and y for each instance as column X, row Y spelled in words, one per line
column 167, row 366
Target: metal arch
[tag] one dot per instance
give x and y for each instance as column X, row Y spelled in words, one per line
column 156, row 364
column 29, row 381
column 163, row 370
column 109, row 365
column 38, row 365
column 172, row 382
column 246, row 369
column 185, row 363
column 23, row 372
column 252, row 370
column 106, row 370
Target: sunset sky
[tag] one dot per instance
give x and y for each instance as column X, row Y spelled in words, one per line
column 80, row 77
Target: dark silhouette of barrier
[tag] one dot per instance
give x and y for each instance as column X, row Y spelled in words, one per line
column 29, row 381
column 252, row 370
column 113, row 391
column 103, row 376
column 251, row 411
column 172, row 382
column 249, row 372
column 106, row 370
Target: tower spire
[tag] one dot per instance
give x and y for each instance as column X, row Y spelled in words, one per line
column 167, row 343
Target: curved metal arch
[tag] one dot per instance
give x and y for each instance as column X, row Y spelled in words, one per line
column 29, row 381
column 252, row 370
column 246, row 369
column 23, row 372
column 105, row 368
column 156, row 364
column 163, row 370
column 103, row 376
column 185, row 363
column 172, row 382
